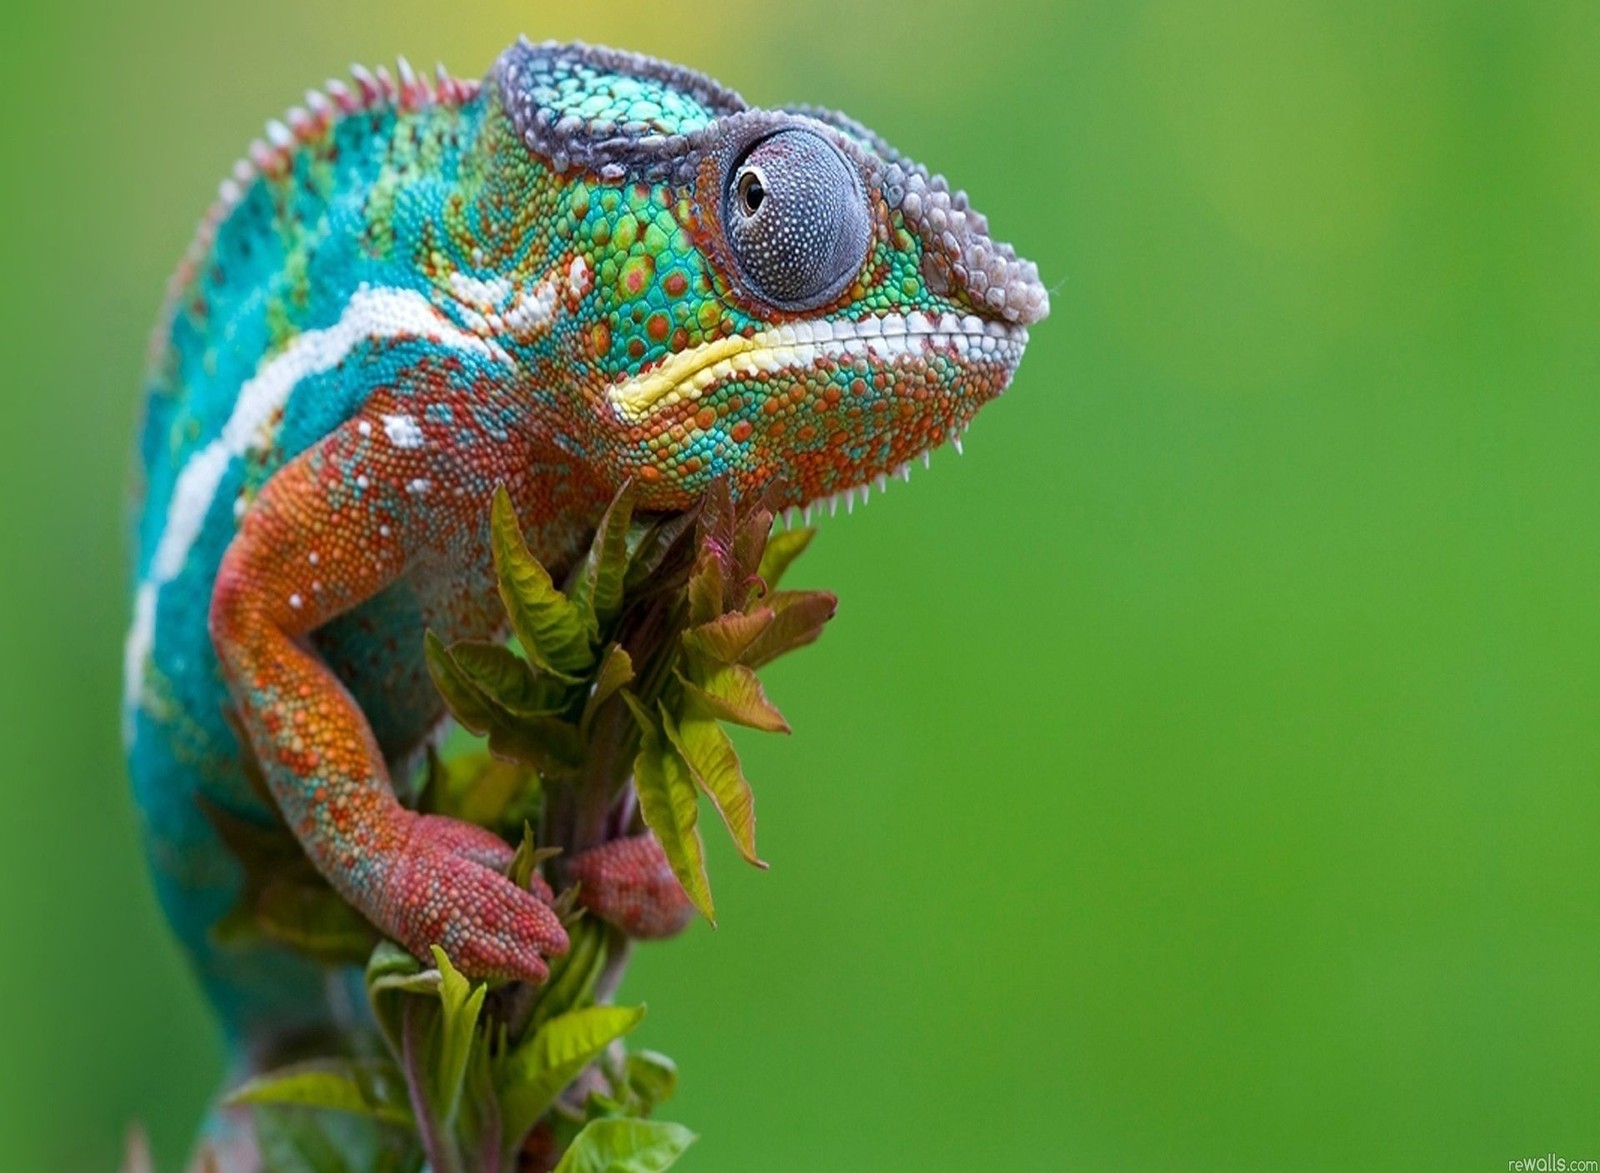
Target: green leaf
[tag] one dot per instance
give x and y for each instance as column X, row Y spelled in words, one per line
column 706, row 583
column 551, row 630
column 548, row 744
column 726, row 638
column 460, row 1002
column 749, row 543
column 626, row 1146
column 670, row 805
column 656, row 546
column 504, row 678
column 283, row 898
column 393, row 976
column 294, row 1140
column 313, row 919
column 652, row 1079
column 717, row 518
column 528, row 858
column 535, row 1073
column 734, row 693
column 392, row 967
column 598, row 589
column 714, row 765
column 799, row 619
column 574, row 974
column 365, row 1087
column 479, row 1125
column 463, row 697
column 616, row 670
column 480, row 788
column 782, row 549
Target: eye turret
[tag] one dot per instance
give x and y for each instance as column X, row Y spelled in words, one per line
column 796, row 219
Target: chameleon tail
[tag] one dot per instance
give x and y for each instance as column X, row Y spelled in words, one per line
column 274, row 1006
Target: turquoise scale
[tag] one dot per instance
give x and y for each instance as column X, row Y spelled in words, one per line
column 240, row 309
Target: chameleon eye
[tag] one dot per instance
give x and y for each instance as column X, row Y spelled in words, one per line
column 752, row 190
column 796, row 219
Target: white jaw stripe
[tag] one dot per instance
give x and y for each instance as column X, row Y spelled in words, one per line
column 371, row 314
column 687, row 375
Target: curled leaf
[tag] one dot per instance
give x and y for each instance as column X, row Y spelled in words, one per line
column 749, row 543
column 707, row 583
column 734, row 693
column 714, row 765
column 597, row 590
column 480, row 788
column 623, row 1145
column 654, row 549
column 669, row 802
column 460, row 1002
column 503, row 678
column 534, row 1074
column 462, row 696
column 525, row 863
column 782, row 549
column 363, row 1087
column 727, row 638
column 551, row 630
column 799, row 617
column 651, row 1079
column 615, row 671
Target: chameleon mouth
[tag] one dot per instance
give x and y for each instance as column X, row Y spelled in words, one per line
column 894, row 338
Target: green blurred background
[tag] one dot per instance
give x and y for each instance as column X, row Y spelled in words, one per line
column 1200, row 775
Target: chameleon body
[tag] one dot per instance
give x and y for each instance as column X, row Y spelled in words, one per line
column 587, row 268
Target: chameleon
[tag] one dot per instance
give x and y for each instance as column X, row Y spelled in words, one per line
column 589, row 268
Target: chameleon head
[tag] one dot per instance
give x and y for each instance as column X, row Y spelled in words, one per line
column 777, row 295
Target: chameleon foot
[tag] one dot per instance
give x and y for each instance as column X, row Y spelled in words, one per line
column 446, row 886
column 629, row 883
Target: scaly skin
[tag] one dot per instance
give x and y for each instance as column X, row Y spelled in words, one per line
column 590, row 268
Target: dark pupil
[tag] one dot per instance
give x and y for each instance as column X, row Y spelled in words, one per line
column 751, row 191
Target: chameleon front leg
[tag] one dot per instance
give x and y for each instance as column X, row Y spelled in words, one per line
column 329, row 530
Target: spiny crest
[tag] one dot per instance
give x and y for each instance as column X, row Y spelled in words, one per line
column 368, row 90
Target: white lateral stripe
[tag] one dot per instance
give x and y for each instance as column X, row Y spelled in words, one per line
column 134, row 652
column 370, row 314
